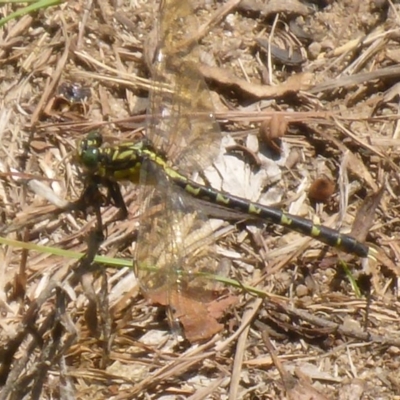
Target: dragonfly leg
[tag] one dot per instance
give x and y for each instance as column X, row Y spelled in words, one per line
column 92, row 199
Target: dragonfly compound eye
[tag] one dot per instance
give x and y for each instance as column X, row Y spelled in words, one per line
column 90, row 157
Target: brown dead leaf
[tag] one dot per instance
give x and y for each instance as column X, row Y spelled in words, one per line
column 223, row 77
column 198, row 319
column 218, row 307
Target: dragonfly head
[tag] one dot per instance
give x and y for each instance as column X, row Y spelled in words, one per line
column 88, row 151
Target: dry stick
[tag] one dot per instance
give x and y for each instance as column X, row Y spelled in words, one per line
column 87, row 7
column 15, row 35
column 29, row 321
column 288, row 381
column 280, row 304
column 321, row 117
column 52, row 350
column 342, row 51
column 389, row 72
column 342, row 329
column 205, row 393
column 356, row 139
column 15, row 374
column 367, row 55
column 355, row 165
column 295, row 389
column 241, row 347
column 121, row 78
column 27, row 326
column 245, row 321
column 50, row 86
column 177, row 367
column 344, row 186
column 270, row 69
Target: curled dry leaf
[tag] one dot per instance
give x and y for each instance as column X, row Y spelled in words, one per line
column 271, row 130
column 252, row 156
column 225, row 78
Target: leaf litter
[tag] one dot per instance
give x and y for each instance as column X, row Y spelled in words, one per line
column 82, row 330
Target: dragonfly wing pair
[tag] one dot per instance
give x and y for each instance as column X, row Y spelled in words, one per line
column 181, row 119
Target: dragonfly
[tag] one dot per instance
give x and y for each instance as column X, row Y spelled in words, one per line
column 182, row 137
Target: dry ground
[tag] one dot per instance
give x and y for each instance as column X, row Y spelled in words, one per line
column 324, row 91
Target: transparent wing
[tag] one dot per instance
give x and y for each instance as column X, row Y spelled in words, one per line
column 175, row 250
column 182, row 123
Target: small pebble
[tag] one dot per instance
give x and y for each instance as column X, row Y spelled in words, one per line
column 314, row 50
column 301, row 290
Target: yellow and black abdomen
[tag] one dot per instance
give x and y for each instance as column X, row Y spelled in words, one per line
column 326, row 235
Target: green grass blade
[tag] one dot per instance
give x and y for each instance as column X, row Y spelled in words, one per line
column 38, row 5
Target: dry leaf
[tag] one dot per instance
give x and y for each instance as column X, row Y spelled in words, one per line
column 294, row 83
column 198, row 319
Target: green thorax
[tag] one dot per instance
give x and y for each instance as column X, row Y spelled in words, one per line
column 119, row 162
